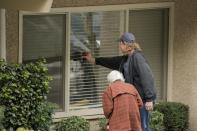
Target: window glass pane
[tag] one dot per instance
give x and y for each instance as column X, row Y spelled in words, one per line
column 97, row 33
column 151, row 30
column 44, row 36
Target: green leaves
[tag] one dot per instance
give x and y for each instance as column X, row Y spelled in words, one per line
column 73, row 123
column 176, row 115
column 156, row 121
column 23, row 91
column 102, row 124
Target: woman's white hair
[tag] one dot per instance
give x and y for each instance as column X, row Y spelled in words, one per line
column 114, row 76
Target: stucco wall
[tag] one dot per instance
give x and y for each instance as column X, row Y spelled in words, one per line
column 12, row 35
column 185, row 57
column 184, row 51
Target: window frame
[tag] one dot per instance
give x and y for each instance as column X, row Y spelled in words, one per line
column 90, row 113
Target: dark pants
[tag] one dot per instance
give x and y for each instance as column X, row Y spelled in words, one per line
column 144, row 114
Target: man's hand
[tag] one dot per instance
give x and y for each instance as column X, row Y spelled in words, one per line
column 88, row 56
column 149, row 106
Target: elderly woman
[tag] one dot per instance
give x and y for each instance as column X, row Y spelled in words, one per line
column 121, row 103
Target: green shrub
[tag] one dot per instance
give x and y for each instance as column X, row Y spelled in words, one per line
column 156, row 121
column 73, row 123
column 102, row 124
column 176, row 115
column 23, row 91
column 43, row 119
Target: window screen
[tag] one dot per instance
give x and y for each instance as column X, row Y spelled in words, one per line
column 96, row 33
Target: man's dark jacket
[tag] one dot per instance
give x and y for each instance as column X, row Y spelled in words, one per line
column 137, row 72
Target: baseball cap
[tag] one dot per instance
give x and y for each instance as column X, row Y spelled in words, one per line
column 127, row 37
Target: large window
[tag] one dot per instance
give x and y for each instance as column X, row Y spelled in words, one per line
column 62, row 38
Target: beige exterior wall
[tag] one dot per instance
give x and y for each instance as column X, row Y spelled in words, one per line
column 185, row 57
column 12, row 34
column 184, row 48
column 2, row 34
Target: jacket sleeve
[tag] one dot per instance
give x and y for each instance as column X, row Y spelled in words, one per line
column 109, row 62
column 146, row 77
column 107, row 104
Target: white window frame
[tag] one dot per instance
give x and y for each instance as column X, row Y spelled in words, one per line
column 95, row 113
column 2, row 34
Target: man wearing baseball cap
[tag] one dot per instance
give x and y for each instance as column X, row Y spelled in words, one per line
column 135, row 69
